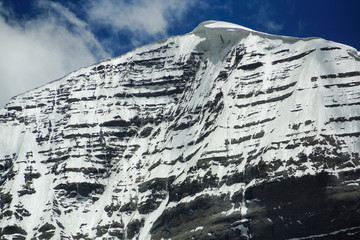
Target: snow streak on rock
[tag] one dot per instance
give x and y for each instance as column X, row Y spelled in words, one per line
column 222, row 133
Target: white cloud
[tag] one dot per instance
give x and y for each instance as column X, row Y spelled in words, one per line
column 142, row 18
column 43, row 49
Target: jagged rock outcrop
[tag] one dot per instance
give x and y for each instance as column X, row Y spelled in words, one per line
column 222, row 133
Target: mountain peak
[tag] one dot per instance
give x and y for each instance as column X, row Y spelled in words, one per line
column 217, row 34
column 216, row 134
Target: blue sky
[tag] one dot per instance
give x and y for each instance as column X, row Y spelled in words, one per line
column 42, row 40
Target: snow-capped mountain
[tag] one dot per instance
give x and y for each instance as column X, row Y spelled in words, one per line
column 222, row 133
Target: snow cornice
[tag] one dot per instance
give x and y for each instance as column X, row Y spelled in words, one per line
column 235, row 31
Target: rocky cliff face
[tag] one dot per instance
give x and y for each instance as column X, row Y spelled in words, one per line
column 222, row 133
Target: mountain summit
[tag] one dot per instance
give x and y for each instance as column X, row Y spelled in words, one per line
column 221, row 133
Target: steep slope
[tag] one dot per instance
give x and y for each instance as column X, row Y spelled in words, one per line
column 222, row 133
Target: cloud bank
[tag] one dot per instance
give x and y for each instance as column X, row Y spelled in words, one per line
column 149, row 17
column 42, row 49
column 142, row 20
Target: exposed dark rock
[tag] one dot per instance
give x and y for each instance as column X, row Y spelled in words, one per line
column 254, row 123
column 46, row 227
column 188, row 187
column 146, row 132
column 26, row 191
column 156, row 184
column 203, row 211
column 5, row 200
column 292, row 58
column 81, row 236
column 31, row 175
column 282, row 51
column 134, row 228
column 150, row 204
column 12, row 229
column 82, row 188
column 129, row 207
column 16, row 108
column 343, row 85
column 115, row 123
column 298, row 207
column 251, row 66
column 275, row 99
column 329, row 48
column 341, row 75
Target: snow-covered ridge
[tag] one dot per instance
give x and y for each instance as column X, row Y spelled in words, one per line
column 208, row 134
column 218, row 32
